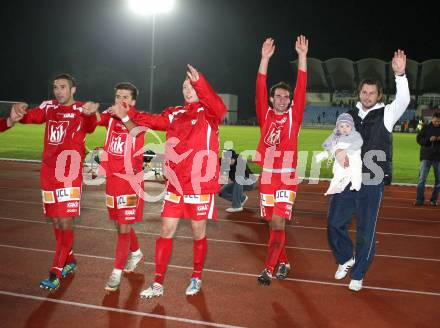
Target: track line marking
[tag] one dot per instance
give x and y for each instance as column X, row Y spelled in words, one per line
column 106, row 308
column 243, row 274
column 228, row 241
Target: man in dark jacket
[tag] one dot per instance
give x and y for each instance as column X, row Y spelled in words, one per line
column 429, row 140
column 238, row 181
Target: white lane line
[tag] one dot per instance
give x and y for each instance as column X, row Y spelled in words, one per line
column 235, row 273
column 226, row 241
column 110, row 309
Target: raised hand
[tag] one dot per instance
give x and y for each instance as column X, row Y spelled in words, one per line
column 268, row 48
column 399, row 62
column 17, row 111
column 302, row 45
column 90, row 108
column 118, row 110
column 192, row 73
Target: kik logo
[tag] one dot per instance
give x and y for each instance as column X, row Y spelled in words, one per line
column 57, row 131
column 117, row 144
column 273, row 136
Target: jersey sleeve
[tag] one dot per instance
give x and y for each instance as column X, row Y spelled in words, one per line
column 105, row 119
column 89, row 123
column 215, row 108
column 158, row 122
column 35, row 115
column 261, row 99
column 3, row 124
column 299, row 99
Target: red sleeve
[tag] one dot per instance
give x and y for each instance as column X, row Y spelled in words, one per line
column 153, row 121
column 105, row 119
column 3, row 124
column 213, row 104
column 299, row 99
column 89, row 123
column 261, row 99
column 35, row 115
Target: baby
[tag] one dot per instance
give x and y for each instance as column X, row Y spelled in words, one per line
column 345, row 138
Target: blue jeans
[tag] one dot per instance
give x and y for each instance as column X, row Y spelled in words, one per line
column 366, row 204
column 234, row 192
column 425, row 165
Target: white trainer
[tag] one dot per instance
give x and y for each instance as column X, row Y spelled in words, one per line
column 343, row 269
column 194, row 287
column 234, row 209
column 154, row 290
column 244, row 201
column 133, row 261
column 113, row 282
column 355, row 285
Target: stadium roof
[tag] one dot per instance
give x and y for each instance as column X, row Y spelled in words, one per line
column 342, row 74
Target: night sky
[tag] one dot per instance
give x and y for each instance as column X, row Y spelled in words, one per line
column 101, row 42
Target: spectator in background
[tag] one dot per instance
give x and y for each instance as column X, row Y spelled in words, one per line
column 429, row 140
column 238, row 182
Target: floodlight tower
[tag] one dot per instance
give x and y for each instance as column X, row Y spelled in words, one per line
column 151, row 8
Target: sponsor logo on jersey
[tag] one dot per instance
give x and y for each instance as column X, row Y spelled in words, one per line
column 57, row 132
column 126, row 201
column 68, row 194
column 69, row 115
column 282, row 121
column 285, row 196
column 267, row 200
column 117, row 143
column 73, row 204
column 196, row 199
column 130, row 212
column 273, row 136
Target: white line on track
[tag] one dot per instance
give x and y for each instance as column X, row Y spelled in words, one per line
column 106, row 308
column 79, row 226
column 243, row 274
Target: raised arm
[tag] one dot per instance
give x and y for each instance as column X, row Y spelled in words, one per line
column 261, row 97
column 207, row 96
column 396, row 109
column 32, row 116
column 299, row 94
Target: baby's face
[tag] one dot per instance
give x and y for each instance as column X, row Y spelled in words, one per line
column 344, row 128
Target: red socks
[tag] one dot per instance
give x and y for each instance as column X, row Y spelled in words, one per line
column 283, row 255
column 122, row 248
column 164, row 247
column 200, row 247
column 276, row 245
column 64, row 248
column 134, row 246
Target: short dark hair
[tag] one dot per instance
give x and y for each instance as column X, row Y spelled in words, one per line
column 128, row 86
column 281, row 85
column 68, row 77
column 436, row 115
column 370, row 81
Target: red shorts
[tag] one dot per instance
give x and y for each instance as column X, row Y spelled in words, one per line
column 60, row 198
column 278, row 197
column 194, row 207
column 123, row 203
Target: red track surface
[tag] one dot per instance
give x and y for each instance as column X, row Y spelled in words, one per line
column 402, row 288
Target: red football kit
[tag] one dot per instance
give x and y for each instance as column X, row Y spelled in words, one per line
column 63, row 154
column 3, row 124
column 122, row 162
column 277, row 149
column 191, row 153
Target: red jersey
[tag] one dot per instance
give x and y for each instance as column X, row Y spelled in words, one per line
column 279, row 133
column 192, row 141
column 66, row 128
column 3, row 124
column 120, row 146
